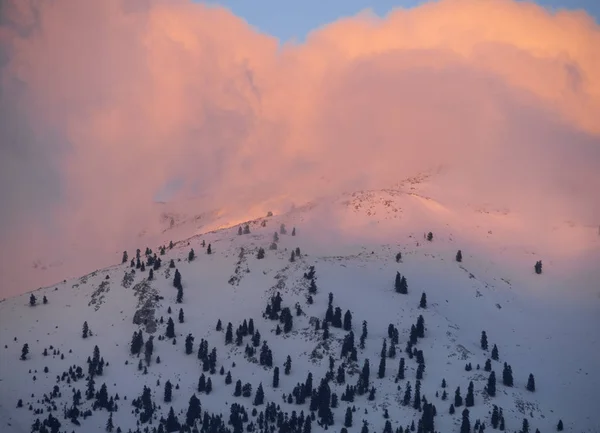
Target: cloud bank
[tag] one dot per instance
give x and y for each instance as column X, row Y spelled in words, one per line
column 105, row 104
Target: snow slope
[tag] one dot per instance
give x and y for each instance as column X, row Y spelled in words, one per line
column 544, row 324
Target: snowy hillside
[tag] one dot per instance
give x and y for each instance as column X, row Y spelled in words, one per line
column 543, row 324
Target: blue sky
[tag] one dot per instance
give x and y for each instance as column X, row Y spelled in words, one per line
column 293, row 19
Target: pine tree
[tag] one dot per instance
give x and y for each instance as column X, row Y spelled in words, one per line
column 170, row 328
column 259, row 397
column 229, row 334
column 538, row 267
column 109, row 424
column 488, row 365
column 32, row 300
column 465, row 426
column 470, row 398
column 193, row 412
column 495, row 356
column 24, row 352
column 423, row 303
column 400, row 374
column 398, row 283
column 168, row 391
column 45, row 300
column 491, row 384
column 172, row 423
column 238, row 389
column 559, row 426
column 228, row 379
column 276, row 377
column 181, row 315
column 180, row 294
column 348, row 418
column 261, row 253
column 209, row 249
column 85, row 330
column 531, row 383
column 484, row 341
column 495, row 417
column 348, row 321
column 381, row 371
column 288, row 365
column 459, row 256
column 507, row 377
column 458, row 401
column 189, row 343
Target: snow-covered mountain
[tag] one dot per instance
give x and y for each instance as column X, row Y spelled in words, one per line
column 543, row 324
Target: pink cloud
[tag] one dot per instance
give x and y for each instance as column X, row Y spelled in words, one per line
column 107, row 102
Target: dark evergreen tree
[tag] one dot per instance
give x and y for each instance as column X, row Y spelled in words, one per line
column 407, row 394
column 531, row 383
column 525, row 428
column 125, row 258
column 458, row 401
column 341, row 375
column 85, row 330
column 45, row 300
column 172, row 423
column 423, row 303
column 459, row 256
column 238, row 389
column 170, row 328
column 109, row 424
column 181, row 315
column 194, row 411
column 177, row 279
column 495, row 417
column 488, row 365
column 420, row 327
column 417, row 398
column 150, row 275
column 451, row 409
column 465, row 426
column 180, row 294
column 507, row 377
column 538, row 267
column 229, row 334
column 189, row 344
column 32, row 300
column 148, row 349
column 381, row 370
column 398, row 283
column 288, row 365
column 348, row 321
column 495, row 356
column 276, row 377
column 348, row 418
column 559, row 426
column 259, row 397
column 470, row 398
column 484, row 341
column 168, row 391
column 401, row 368
column 491, row 384
column 261, row 253
column 228, row 379
column 398, row 257
column 209, row 249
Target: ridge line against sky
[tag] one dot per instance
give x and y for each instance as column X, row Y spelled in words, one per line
column 293, row 20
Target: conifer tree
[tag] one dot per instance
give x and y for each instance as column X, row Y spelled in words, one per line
column 470, row 398
column 109, row 424
column 495, row 417
column 400, row 375
column 180, row 294
column 507, row 377
column 531, row 383
column 24, row 352
column 191, row 255
column 85, row 330
column 194, row 411
column 458, row 401
column 32, row 300
column 229, row 334
column 168, row 391
column 348, row 321
column 125, row 258
column 172, row 423
column 259, row 397
column 45, row 300
column 181, row 315
column 219, row 325
column 491, row 385
column 348, row 418
column 189, row 343
column 559, row 426
column 209, row 249
column 465, row 426
column 381, row 371
column 495, row 356
column 276, row 377
column 488, row 365
column 484, row 341
column 423, row 303
column 170, row 328
column 288, row 365
column 459, row 256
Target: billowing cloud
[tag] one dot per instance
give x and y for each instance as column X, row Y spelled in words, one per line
column 104, row 104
